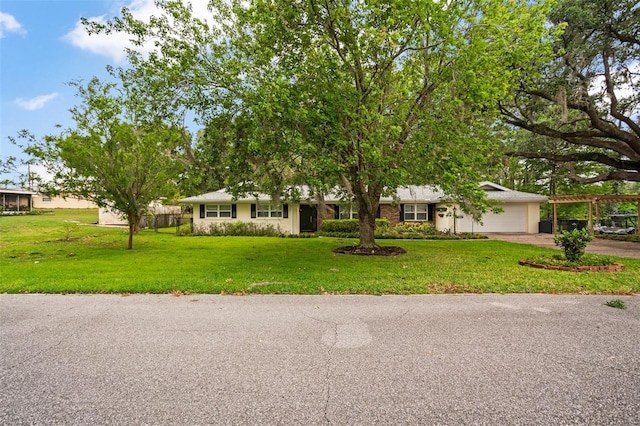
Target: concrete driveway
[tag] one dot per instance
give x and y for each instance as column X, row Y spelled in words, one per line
column 318, row 360
column 596, row 246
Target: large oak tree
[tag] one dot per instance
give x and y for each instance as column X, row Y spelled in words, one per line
column 586, row 101
column 364, row 95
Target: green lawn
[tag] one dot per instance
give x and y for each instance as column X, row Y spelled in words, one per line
column 46, row 253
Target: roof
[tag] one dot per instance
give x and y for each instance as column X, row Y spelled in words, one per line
column 408, row 194
column 16, row 191
column 222, row 196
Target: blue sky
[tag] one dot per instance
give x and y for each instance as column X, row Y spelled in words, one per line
column 43, row 46
column 37, row 58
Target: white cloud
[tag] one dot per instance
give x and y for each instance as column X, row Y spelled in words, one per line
column 38, row 170
column 113, row 45
column 9, row 24
column 36, row 103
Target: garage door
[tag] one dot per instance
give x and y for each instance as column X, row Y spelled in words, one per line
column 512, row 219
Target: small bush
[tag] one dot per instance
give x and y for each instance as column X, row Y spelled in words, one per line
column 70, row 228
column 573, row 243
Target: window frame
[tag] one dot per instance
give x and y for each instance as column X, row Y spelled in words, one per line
column 269, row 211
column 412, row 216
column 215, row 211
column 352, row 212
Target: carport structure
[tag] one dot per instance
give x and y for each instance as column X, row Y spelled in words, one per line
column 15, row 200
column 592, row 200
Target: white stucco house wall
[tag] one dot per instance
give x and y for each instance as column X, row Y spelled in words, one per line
column 521, row 210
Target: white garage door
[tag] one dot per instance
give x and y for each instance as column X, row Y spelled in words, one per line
column 512, row 219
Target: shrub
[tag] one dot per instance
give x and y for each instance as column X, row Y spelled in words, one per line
column 70, row 228
column 332, row 227
column 573, row 243
column 339, row 225
column 247, row 229
column 418, row 228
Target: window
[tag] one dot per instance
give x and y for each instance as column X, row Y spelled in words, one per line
column 269, row 210
column 416, row 212
column 348, row 212
column 218, row 210
column 46, row 198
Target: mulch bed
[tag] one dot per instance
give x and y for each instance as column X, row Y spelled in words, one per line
column 376, row 251
column 616, row 267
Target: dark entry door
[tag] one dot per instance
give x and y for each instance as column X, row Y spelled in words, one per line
column 308, row 219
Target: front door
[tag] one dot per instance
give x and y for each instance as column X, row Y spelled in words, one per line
column 308, row 218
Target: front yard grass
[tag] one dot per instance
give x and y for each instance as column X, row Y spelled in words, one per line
column 42, row 254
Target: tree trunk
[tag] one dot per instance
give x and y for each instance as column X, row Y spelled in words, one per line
column 367, row 202
column 134, row 226
column 367, row 224
column 131, row 232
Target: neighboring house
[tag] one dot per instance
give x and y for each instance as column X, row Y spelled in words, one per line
column 16, row 200
column 41, row 201
column 164, row 216
column 521, row 210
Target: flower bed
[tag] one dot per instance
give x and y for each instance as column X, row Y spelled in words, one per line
column 614, row 267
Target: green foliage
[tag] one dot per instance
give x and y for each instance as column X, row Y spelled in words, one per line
column 70, row 229
column 421, row 228
column 580, row 102
column 368, row 96
column 348, row 228
column 616, row 303
column 573, row 243
column 238, row 228
column 119, row 164
column 339, row 225
column 334, row 227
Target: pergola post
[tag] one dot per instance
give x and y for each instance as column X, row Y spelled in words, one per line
column 593, row 199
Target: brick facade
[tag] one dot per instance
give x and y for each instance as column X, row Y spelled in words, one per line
column 328, row 214
column 390, row 212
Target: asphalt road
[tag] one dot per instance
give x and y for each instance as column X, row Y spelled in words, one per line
column 313, row 360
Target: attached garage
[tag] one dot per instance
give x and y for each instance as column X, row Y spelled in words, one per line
column 512, row 219
column 520, row 212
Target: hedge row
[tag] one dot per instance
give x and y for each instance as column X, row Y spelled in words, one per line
column 351, row 226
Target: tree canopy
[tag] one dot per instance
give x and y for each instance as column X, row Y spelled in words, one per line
column 367, row 96
column 109, row 156
column 586, row 101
